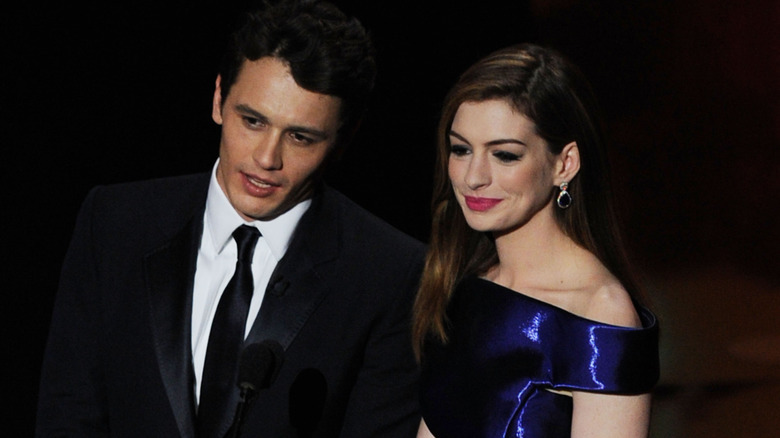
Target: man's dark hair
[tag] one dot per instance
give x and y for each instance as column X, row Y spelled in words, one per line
column 327, row 52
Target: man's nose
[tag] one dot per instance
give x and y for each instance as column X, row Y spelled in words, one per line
column 268, row 151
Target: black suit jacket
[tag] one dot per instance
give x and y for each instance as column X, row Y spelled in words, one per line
column 118, row 360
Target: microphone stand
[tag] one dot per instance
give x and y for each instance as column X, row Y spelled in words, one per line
column 246, row 395
column 257, row 370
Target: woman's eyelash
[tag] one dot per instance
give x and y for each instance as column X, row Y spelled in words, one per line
column 506, row 156
column 458, row 149
column 503, row 156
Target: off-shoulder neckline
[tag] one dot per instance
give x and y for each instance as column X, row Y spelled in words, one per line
column 646, row 316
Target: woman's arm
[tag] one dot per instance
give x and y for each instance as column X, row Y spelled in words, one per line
column 607, row 415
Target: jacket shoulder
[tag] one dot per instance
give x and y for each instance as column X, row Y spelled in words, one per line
column 364, row 229
column 153, row 189
column 162, row 204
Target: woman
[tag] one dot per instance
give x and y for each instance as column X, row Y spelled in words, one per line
column 528, row 322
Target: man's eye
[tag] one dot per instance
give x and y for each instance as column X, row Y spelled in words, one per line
column 253, row 121
column 300, row 138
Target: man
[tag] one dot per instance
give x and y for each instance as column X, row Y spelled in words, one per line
column 139, row 322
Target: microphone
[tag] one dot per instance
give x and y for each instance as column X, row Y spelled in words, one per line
column 307, row 400
column 259, row 365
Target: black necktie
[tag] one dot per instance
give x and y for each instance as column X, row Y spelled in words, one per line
column 218, row 391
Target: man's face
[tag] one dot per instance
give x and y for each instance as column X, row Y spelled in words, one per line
column 275, row 137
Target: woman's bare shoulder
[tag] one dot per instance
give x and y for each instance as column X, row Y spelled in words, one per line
column 610, row 303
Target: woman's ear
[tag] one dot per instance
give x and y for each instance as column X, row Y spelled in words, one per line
column 567, row 163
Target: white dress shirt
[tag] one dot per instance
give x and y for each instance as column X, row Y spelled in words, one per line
column 217, row 261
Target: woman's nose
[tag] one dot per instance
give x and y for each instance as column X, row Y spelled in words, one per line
column 478, row 173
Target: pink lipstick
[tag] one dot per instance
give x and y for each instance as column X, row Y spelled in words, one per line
column 481, row 204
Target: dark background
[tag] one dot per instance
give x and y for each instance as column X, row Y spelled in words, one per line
column 97, row 94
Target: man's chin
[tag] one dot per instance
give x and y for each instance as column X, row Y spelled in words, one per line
column 265, row 209
column 261, row 215
column 254, row 211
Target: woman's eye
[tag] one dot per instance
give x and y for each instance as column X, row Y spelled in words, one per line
column 459, row 150
column 506, row 157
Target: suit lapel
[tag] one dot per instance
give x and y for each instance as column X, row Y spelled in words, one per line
column 296, row 287
column 170, row 273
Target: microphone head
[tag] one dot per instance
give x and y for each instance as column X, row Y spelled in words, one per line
column 259, row 365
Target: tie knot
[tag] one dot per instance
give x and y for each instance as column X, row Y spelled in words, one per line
column 246, row 238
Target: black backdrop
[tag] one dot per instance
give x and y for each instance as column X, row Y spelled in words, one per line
column 117, row 92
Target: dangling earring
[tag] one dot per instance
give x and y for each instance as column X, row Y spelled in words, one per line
column 564, row 198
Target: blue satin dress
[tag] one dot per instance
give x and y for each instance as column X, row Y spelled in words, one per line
column 506, row 349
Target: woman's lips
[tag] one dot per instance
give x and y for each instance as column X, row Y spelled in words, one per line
column 481, row 204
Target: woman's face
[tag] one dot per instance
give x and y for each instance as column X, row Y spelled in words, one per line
column 500, row 170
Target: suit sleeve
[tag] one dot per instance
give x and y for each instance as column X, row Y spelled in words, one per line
column 384, row 402
column 72, row 393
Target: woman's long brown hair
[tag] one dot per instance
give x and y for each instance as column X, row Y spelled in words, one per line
column 545, row 87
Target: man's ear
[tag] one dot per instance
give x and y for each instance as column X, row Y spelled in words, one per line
column 216, row 106
column 567, row 163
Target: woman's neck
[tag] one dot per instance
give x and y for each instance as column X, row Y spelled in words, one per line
column 540, row 261
column 538, row 255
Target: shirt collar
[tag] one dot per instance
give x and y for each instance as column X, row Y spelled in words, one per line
column 222, row 219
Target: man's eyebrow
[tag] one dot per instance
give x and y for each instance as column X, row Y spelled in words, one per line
column 322, row 135
column 243, row 108
column 251, row 111
column 496, row 142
